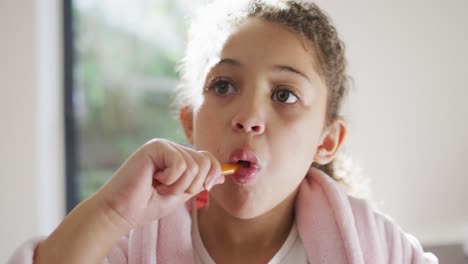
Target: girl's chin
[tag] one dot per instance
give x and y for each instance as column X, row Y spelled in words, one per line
column 244, row 210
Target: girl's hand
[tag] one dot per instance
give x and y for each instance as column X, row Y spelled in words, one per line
column 157, row 178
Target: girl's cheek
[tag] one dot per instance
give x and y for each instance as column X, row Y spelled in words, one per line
column 289, row 114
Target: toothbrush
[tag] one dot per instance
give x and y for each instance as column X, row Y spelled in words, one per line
column 226, row 170
column 230, row 168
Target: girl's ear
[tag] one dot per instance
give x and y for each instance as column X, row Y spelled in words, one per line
column 186, row 118
column 332, row 139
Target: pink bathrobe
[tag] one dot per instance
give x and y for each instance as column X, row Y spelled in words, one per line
column 335, row 229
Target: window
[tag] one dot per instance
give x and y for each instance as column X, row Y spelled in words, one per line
column 120, row 59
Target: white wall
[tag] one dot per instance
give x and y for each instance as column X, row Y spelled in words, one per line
column 31, row 136
column 409, row 110
column 408, row 114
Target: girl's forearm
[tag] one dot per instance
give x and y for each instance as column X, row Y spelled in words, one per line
column 85, row 236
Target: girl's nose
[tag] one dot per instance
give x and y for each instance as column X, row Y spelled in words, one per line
column 248, row 122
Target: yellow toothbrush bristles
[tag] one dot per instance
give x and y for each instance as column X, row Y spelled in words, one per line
column 229, row 168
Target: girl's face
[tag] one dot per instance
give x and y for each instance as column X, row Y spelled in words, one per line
column 263, row 102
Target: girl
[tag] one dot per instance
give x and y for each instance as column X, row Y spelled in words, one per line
column 263, row 82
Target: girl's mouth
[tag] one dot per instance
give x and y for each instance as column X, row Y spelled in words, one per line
column 245, row 174
column 249, row 165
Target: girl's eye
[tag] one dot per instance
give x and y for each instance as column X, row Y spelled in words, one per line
column 284, row 96
column 223, row 87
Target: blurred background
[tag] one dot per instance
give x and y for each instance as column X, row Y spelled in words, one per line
column 85, row 82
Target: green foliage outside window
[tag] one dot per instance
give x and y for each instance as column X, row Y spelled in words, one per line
column 124, row 83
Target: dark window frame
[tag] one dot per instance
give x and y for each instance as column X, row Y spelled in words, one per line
column 71, row 146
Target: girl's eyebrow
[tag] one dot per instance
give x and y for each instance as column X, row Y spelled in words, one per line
column 228, row 61
column 286, row 68
column 291, row 70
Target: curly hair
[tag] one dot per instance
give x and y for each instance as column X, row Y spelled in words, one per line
column 211, row 28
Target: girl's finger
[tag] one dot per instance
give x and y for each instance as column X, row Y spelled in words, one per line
column 204, row 165
column 187, row 177
column 214, row 174
column 171, row 165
